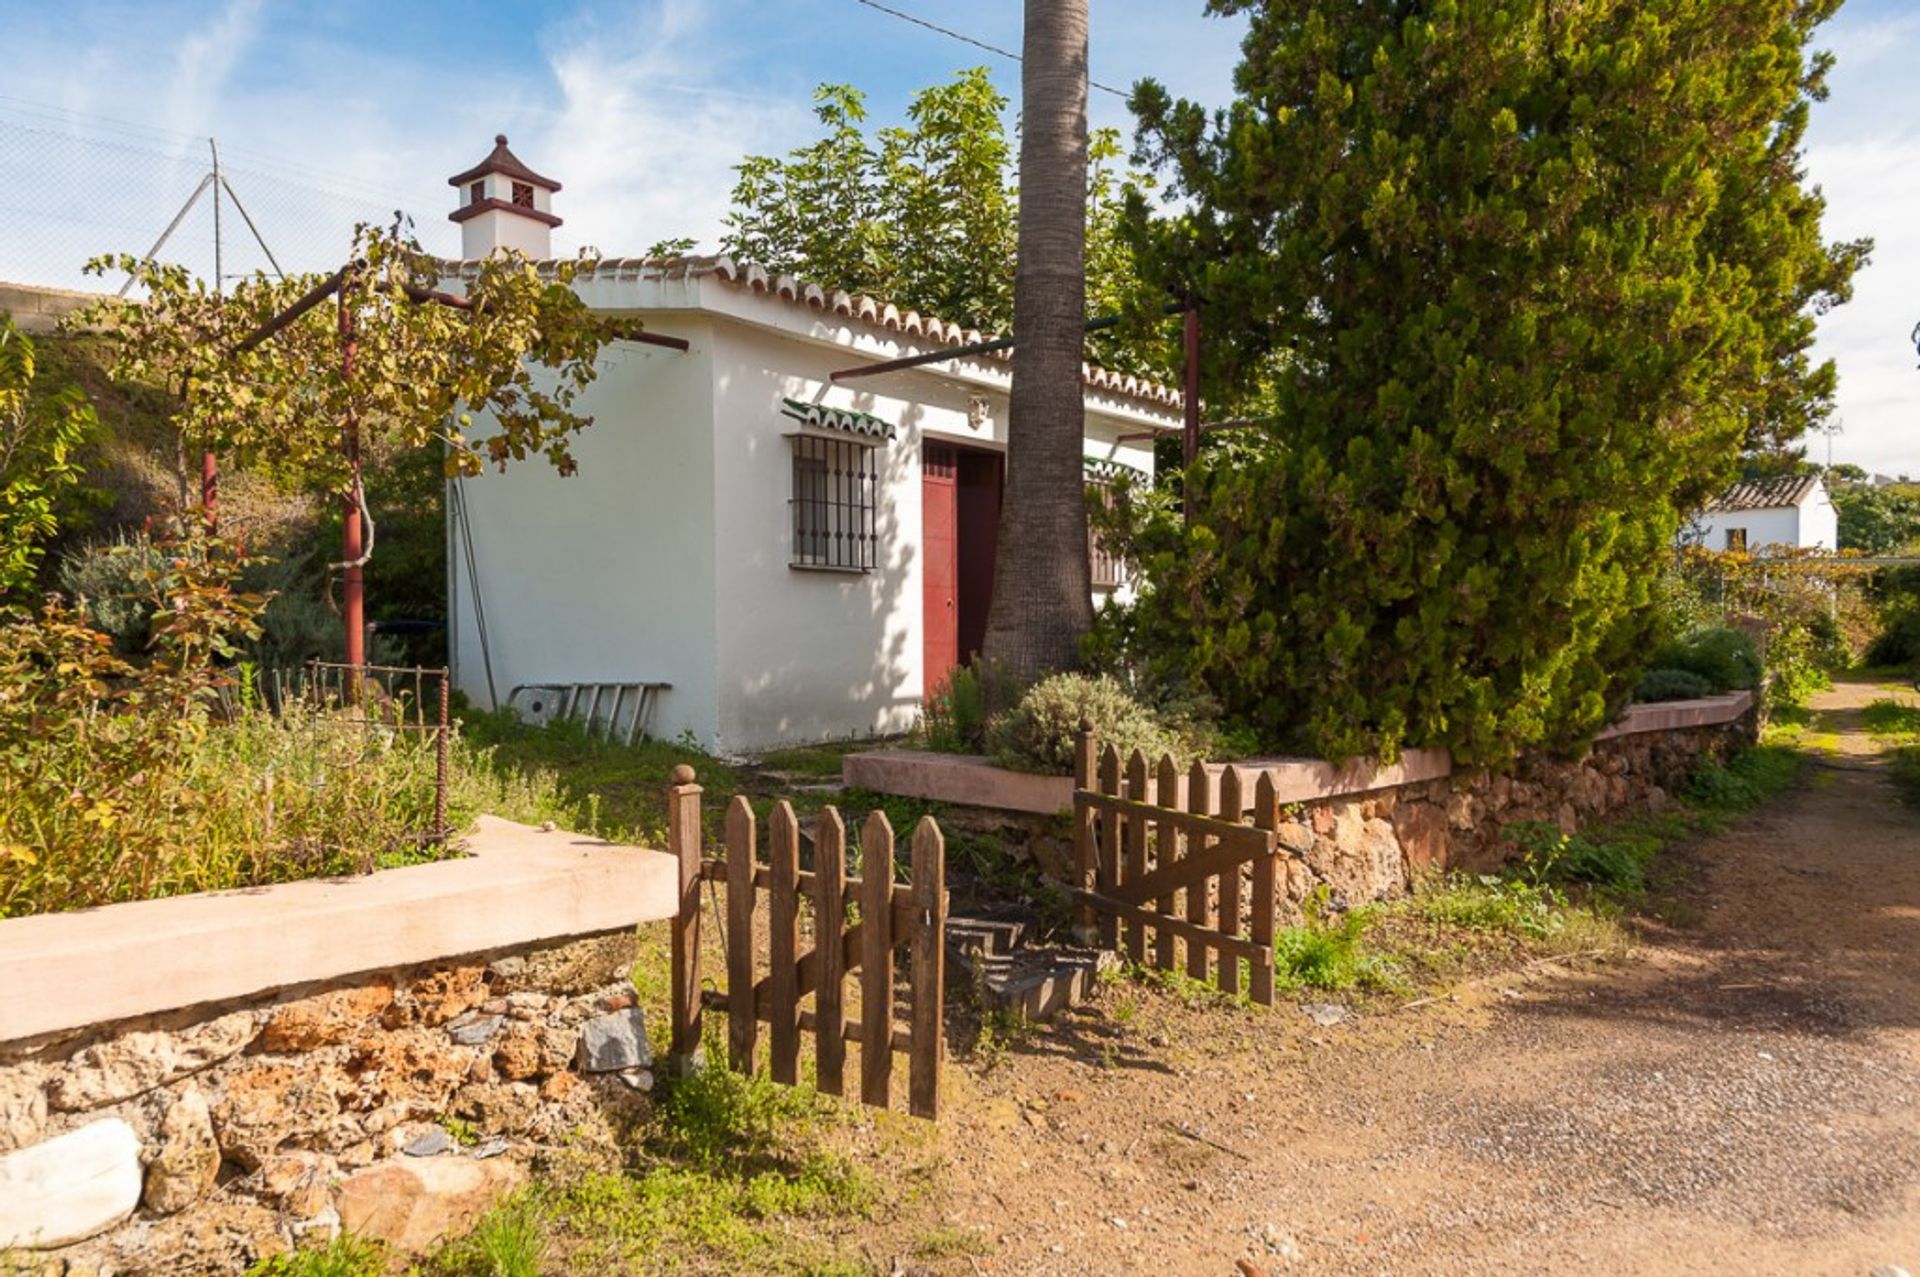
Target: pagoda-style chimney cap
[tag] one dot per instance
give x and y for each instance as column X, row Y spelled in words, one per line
column 501, row 160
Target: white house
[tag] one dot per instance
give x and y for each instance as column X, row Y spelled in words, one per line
column 801, row 558
column 1794, row 512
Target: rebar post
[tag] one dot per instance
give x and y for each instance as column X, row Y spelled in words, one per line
column 441, row 747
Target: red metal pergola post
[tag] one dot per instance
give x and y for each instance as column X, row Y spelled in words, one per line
column 353, row 600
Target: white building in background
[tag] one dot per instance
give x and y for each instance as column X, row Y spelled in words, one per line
column 1794, row 512
column 799, row 558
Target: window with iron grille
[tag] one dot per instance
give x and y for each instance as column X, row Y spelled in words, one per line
column 1736, row 539
column 835, row 485
column 522, row 195
column 477, row 192
column 1109, row 569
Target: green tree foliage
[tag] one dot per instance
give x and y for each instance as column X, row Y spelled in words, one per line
column 1877, row 520
column 1521, row 278
column 40, row 438
column 922, row 215
column 425, row 376
column 518, row 354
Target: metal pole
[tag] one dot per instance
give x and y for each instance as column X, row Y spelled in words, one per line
column 440, row 768
column 353, row 604
column 248, row 219
column 1190, row 395
column 219, row 262
column 209, row 465
column 205, row 181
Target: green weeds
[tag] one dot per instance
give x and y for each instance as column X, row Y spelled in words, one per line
column 1329, row 951
column 345, row 1256
column 1897, row 724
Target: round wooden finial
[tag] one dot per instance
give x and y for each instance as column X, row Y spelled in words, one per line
column 500, row 139
column 1086, row 724
column 683, row 775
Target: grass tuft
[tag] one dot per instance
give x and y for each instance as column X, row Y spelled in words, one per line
column 1330, row 952
column 346, row 1255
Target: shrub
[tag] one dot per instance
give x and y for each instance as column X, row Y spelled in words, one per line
column 1724, row 657
column 108, row 579
column 955, row 720
column 1039, row 732
column 1671, row 685
column 1896, row 594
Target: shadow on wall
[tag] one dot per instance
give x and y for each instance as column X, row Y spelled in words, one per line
column 829, row 655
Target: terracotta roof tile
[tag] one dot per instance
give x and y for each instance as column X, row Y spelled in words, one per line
column 501, row 160
column 1765, row 494
column 857, row 306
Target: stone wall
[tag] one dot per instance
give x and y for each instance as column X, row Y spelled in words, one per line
column 1375, row 845
column 1365, row 834
column 397, row 1104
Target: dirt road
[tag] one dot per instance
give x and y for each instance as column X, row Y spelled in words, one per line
column 1741, row 1096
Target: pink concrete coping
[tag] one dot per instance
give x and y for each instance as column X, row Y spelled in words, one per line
column 1667, row 716
column 967, row 779
column 1303, row 780
column 518, row 886
column 973, row 781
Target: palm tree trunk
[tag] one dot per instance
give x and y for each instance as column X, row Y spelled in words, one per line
column 1042, row 583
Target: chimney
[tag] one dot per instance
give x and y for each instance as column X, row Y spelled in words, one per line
column 504, row 204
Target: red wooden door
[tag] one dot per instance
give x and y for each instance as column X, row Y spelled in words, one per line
column 940, row 562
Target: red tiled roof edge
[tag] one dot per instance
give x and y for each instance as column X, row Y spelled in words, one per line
column 858, row 306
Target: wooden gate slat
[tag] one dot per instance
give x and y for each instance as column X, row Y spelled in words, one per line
column 1266, row 816
column 784, row 945
column 876, row 960
column 1087, row 853
column 743, row 1028
column 1166, row 854
column 1108, row 867
column 929, row 966
column 829, row 923
column 1247, row 949
column 1229, row 921
column 1199, row 888
column 1230, row 848
column 1135, row 866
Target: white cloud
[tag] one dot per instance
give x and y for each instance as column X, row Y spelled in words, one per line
column 1872, row 188
column 202, row 63
column 649, row 128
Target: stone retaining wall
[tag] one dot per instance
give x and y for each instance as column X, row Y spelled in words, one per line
column 1369, row 832
column 397, row 1104
column 1375, row 845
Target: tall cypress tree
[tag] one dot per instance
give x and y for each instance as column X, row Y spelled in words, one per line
column 1512, row 281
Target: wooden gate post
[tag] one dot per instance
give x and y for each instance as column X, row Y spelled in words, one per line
column 929, row 967
column 683, row 840
column 1084, row 848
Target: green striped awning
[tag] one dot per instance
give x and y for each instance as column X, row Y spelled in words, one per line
column 842, row 419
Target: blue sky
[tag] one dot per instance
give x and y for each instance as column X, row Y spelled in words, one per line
column 641, row 109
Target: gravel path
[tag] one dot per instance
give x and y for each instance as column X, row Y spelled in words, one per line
column 1742, row 1096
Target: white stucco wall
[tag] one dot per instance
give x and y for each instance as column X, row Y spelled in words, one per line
column 1814, row 524
column 809, row 655
column 1820, row 521
column 608, row 574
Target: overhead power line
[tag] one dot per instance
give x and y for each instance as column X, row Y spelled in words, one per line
column 951, row 34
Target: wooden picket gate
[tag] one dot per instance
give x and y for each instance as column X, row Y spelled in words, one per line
column 889, row 914
column 1152, row 872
